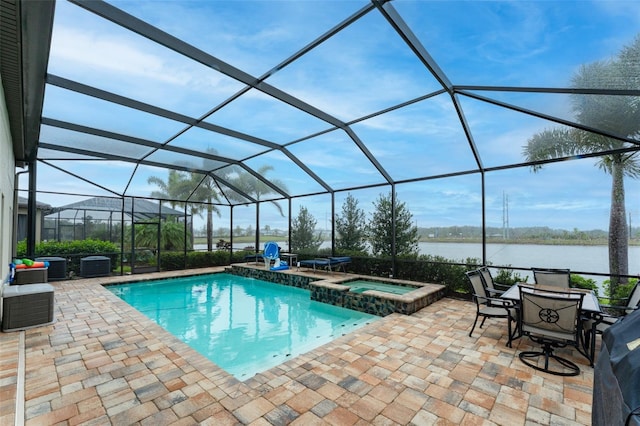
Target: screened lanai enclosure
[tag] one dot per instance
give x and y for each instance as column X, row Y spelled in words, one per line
column 506, row 132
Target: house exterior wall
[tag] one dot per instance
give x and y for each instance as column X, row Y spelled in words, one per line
column 7, row 173
column 23, row 213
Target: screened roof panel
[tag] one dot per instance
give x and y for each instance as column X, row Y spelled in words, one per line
column 84, row 141
column 615, row 115
column 93, row 51
column 73, row 107
column 524, row 43
column 267, row 32
column 190, row 162
column 54, row 154
column 155, row 181
column 502, row 140
column 278, row 169
column 239, row 186
column 111, row 175
column 230, row 195
column 206, row 141
column 337, row 160
column 262, row 116
column 327, row 96
column 361, row 70
column 425, row 138
column 54, row 180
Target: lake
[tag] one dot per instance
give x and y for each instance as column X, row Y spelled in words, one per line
column 594, row 259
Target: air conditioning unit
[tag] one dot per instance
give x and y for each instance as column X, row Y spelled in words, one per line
column 95, row 266
column 57, row 267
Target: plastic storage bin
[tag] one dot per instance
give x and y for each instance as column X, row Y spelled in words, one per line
column 26, row 306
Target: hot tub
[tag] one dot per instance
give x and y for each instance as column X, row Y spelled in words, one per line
column 377, row 297
column 360, row 286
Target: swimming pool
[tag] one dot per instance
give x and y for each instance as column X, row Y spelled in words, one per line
column 244, row 325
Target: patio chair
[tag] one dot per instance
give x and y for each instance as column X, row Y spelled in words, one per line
column 489, row 307
column 612, row 314
column 560, row 278
column 489, row 284
column 551, row 319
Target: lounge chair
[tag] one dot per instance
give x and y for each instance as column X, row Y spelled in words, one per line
column 257, row 257
column 328, row 263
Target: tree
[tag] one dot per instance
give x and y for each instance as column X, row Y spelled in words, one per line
column 256, row 188
column 206, row 193
column 351, row 226
column 303, row 233
column 614, row 114
column 180, row 186
column 171, row 235
column 380, row 228
column 176, row 187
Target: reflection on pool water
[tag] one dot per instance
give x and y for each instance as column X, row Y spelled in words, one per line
column 244, row 325
column 360, row 286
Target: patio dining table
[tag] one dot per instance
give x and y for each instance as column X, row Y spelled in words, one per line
column 590, row 309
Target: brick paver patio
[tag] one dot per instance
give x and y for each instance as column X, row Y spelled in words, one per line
column 103, row 362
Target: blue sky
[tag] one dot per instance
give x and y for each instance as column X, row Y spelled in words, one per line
column 363, row 69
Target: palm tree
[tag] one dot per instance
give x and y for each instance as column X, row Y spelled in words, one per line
column 207, row 193
column 176, row 187
column 614, row 114
column 250, row 185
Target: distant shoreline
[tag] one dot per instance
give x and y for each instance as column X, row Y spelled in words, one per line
column 553, row 242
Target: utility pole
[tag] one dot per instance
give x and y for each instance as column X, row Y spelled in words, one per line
column 505, row 216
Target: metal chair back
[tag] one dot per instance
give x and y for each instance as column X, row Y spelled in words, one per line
column 478, row 286
column 634, row 298
column 560, row 278
column 554, row 315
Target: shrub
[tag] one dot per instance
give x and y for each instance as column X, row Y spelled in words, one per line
column 578, row 281
column 622, row 290
column 73, row 251
column 171, row 261
column 508, row 277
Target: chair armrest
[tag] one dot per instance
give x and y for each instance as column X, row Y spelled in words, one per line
column 495, row 292
column 621, row 310
column 495, row 301
column 501, row 287
column 614, row 301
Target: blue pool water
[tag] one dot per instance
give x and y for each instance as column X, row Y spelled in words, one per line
column 244, row 325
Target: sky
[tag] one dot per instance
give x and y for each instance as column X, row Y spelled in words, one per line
column 362, row 70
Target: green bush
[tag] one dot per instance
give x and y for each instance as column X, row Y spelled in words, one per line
column 171, row 261
column 508, row 277
column 73, row 251
column 578, row 281
column 622, row 291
